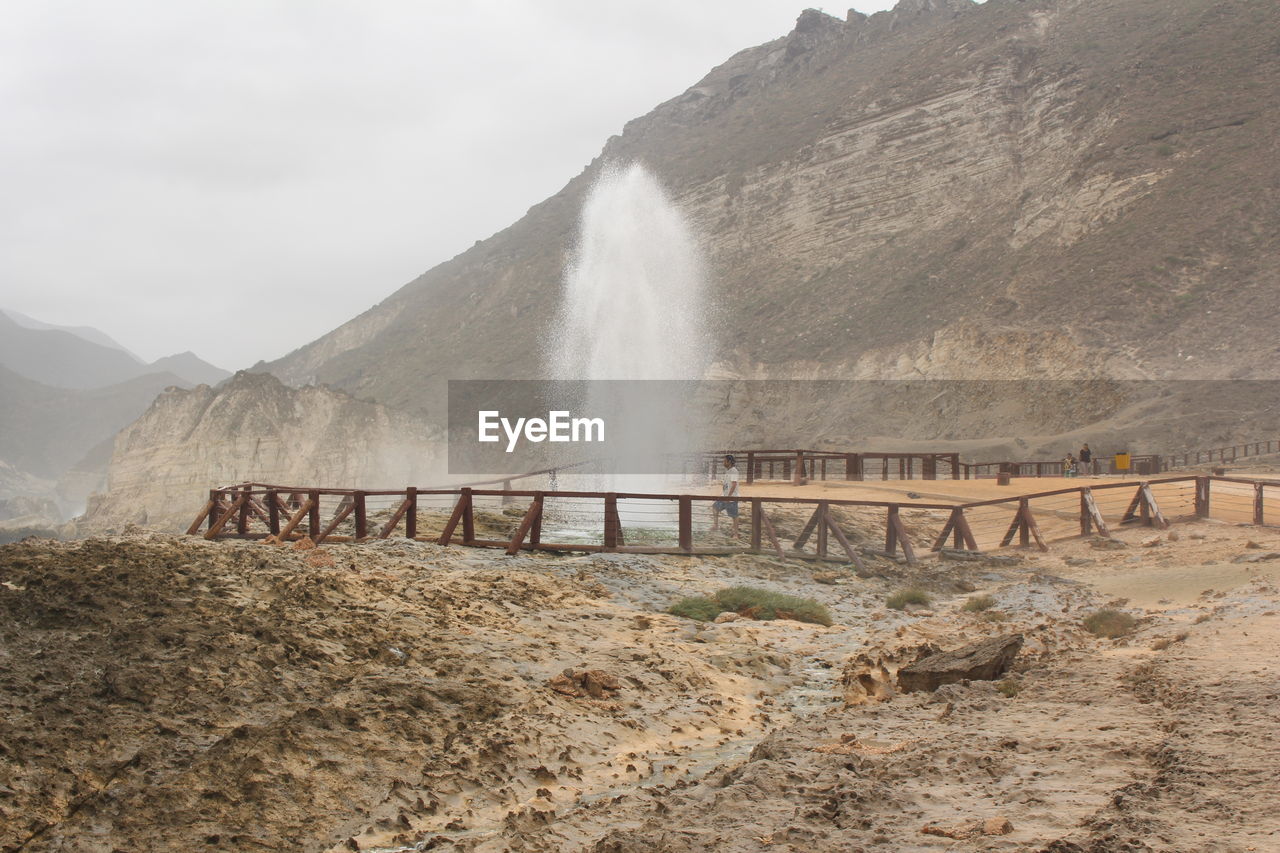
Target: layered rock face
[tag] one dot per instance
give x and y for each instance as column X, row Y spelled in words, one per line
column 1051, row 189
column 254, row 428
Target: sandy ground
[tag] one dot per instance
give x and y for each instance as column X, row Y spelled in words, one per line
column 163, row 693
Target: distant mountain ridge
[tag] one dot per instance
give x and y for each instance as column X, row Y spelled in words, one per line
column 88, row 333
column 64, row 393
column 83, row 357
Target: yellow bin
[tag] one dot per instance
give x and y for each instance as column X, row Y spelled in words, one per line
column 1122, row 461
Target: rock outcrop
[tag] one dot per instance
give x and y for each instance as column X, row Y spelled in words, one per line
column 255, row 428
column 982, row 661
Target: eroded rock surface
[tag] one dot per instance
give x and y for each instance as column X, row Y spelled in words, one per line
column 985, row 660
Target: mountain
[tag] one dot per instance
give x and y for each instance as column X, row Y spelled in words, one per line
column 63, row 359
column 1075, row 190
column 1049, row 188
column 64, row 393
column 88, row 333
column 83, row 357
column 190, row 367
column 255, row 427
column 46, row 432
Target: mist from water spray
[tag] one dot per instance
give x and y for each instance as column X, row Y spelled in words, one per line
column 635, row 305
column 634, row 302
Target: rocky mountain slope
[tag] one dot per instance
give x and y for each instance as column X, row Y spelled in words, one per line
column 254, row 427
column 1042, row 189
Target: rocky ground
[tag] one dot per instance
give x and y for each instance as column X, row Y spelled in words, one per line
column 160, row 693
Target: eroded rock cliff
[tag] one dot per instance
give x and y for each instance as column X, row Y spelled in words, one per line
column 255, row 428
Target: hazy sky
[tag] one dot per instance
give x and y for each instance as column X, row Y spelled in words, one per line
column 238, row 177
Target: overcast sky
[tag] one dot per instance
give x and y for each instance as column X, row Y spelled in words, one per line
column 238, row 177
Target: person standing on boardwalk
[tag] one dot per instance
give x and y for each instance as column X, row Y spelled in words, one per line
column 728, row 488
column 1086, row 460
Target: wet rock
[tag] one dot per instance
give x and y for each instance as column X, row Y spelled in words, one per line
column 982, row 661
column 726, row 616
column 962, row 556
column 1102, row 543
column 1079, row 561
column 1257, row 557
column 866, row 679
column 592, row 683
column 829, row 578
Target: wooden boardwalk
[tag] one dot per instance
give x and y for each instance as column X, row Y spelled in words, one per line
column 824, row 529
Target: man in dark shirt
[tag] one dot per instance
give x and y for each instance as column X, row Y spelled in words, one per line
column 1086, row 460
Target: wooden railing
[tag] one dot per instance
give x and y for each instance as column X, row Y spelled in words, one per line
column 1220, row 455
column 684, row 523
column 809, row 465
column 624, row 522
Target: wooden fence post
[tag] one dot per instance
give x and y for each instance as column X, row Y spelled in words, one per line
column 822, row 528
column 468, row 519
column 612, row 524
column 242, row 522
column 362, row 516
column 751, row 467
column 756, row 512
column 460, row 510
column 313, row 516
column 1257, row 504
column 895, row 534
column 1202, row 496
column 526, row 524
column 685, row 515
column 1090, row 515
column 411, row 519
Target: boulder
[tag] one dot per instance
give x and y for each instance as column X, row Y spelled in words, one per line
column 982, row 661
column 593, row 683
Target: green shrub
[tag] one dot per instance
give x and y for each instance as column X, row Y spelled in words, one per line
column 913, row 595
column 1109, row 623
column 978, row 603
column 753, row 603
column 762, row 604
column 696, row 607
column 1009, row 687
